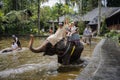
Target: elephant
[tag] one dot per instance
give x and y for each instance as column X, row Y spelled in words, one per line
column 67, row 54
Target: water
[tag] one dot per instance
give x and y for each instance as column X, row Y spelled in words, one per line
column 26, row 65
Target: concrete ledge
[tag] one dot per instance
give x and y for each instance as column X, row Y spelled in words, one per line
column 104, row 64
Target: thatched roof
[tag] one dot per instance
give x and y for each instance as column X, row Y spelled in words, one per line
column 116, row 12
column 114, row 19
column 92, row 16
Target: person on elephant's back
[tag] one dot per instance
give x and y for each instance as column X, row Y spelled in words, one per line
column 57, row 36
column 72, row 34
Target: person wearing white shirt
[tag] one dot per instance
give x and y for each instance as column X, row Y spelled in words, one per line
column 16, row 40
column 14, row 46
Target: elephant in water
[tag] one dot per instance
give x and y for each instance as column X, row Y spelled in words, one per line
column 68, row 53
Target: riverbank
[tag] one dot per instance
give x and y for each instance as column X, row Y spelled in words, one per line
column 104, row 64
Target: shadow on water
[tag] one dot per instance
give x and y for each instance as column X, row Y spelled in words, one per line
column 65, row 69
column 61, row 73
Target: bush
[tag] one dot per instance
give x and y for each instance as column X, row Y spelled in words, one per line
column 81, row 26
column 104, row 29
column 113, row 34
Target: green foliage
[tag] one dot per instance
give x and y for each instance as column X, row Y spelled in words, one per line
column 103, row 28
column 81, row 26
column 1, row 18
column 16, row 22
column 114, row 35
column 13, row 13
column 88, row 5
column 22, row 23
column 83, row 5
column 111, row 33
column 59, row 10
column 17, row 5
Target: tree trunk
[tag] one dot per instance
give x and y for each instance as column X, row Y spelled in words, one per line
column 38, row 17
column 66, row 2
column 80, row 7
column 99, row 17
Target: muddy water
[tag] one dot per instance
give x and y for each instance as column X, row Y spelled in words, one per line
column 26, row 65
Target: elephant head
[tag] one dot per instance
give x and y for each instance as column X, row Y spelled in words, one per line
column 46, row 47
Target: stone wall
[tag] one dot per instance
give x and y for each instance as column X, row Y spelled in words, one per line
column 105, row 62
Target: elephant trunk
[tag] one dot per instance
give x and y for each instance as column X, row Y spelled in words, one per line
column 35, row 50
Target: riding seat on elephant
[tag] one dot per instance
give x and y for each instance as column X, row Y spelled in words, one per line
column 67, row 53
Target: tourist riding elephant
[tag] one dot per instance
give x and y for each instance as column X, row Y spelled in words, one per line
column 68, row 53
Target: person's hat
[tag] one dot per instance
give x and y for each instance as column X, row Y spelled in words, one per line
column 72, row 22
column 60, row 23
column 13, row 35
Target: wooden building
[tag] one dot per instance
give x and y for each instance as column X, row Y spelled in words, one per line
column 91, row 18
column 113, row 21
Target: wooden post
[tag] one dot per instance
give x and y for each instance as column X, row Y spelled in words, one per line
column 53, row 26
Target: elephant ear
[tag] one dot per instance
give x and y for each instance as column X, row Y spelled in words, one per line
column 60, row 45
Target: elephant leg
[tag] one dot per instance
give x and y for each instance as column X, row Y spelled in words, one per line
column 84, row 39
column 90, row 40
column 66, row 59
column 67, row 56
column 60, row 60
column 75, row 58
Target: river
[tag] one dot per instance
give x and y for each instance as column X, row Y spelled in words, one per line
column 26, row 65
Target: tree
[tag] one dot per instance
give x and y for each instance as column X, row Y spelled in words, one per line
column 60, row 10
column 39, row 3
column 1, row 4
column 113, row 3
column 88, row 5
column 38, row 16
column 84, row 5
column 79, row 3
column 67, row 2
column 16, row 5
